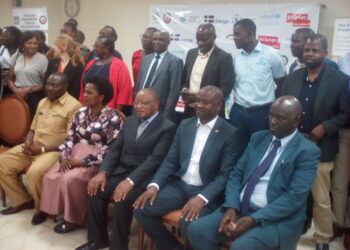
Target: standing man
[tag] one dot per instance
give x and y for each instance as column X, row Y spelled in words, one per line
column 193, row 175
column 325, row 100
column 125, row 172
column 265, row 198
column 50, row 125
column 298, row 41
column 206, row 65
column 258, row 69
column 161, row 71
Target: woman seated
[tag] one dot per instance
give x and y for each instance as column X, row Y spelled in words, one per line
column 26, row 74
column 67, row 60
column 109, row 67
column 93, row 128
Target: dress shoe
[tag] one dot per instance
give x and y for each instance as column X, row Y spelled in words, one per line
column 346, row 241
column 322, row 246
column 13, row 210
column 92, row 245
column 39, row 218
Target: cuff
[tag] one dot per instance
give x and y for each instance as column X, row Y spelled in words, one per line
column 203, row 198
column 154, row 185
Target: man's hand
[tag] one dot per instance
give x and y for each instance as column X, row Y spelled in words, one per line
column 192, row 208
column 227, row 223
column 242, row 225
column 95, row 182
column 317, row 133
column 149, row 195
column 21, row 92
column 31, row 149
column 122, row 190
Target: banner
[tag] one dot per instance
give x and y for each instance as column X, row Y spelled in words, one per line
column 31, row 19
column 275, row 23
column 341, row 36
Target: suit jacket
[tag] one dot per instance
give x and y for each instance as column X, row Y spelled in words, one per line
column 288, row 187
column 331, row 107
column 220, row 153
column 73, row 73
column 166, row 81
column 139, row 159
column 217, row 72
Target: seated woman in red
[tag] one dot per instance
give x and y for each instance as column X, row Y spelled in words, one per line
column 93, row 128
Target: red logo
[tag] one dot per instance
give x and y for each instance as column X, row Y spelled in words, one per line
column 298, row 19
column 270, row 41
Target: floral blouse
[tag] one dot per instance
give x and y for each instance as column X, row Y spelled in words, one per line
column 98, row 131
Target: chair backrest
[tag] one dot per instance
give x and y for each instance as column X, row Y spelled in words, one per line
column 14, row 119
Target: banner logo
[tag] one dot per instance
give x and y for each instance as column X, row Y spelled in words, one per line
column 209, row 18
column 298, row 19
column 167, row 17
column 270, row 41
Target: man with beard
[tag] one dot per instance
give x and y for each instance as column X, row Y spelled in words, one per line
column 324, row 97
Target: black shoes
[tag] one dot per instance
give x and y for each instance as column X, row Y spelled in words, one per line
column 92, row 245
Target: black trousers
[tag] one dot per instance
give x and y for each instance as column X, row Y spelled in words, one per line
column 122, row 215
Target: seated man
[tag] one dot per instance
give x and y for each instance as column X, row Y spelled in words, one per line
column 133, row 158
column 265, row 199
column 51, row 123
column 194, row 173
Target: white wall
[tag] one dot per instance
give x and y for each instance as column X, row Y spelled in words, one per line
column 130, row 17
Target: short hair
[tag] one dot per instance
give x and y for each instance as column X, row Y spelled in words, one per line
column 102, row 87
column 247, row 24
column 152, row 92
column 71, row 25
column 80, row 37
column 305, row 32
column 152, row 29
column 217, row 93
column 209, row 27
column 15, row 32
column 27, row 35
column 107, row 43
column 114, row 32
column 321, row 38
column 63, row 77
column 73, row 21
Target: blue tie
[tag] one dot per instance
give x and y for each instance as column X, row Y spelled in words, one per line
column 255, row 177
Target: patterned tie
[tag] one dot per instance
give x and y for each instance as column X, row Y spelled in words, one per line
column 151, row 73
column 141, row 128
column 259, row 172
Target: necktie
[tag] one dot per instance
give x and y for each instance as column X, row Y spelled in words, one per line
column 151, row 73
column 256, row 175
column 141, row 128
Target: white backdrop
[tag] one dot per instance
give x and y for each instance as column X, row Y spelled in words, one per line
column 275, row 23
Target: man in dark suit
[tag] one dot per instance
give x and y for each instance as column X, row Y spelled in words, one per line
column 161, row 71
column 193, row 175
column 133, row 158
column 206, row 65
column 265, row 198
column 324, row 96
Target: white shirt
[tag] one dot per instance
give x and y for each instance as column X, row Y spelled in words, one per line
column 259, row 198
column 198, row 70
column 161, row 57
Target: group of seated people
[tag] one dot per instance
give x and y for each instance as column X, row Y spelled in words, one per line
column 246, row 179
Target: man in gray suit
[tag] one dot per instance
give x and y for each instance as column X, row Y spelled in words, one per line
column 161, row 71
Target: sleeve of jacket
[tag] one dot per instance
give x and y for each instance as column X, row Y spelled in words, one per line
column 112, row 157
column 150, row 165
column 229, row 157
column 297, row 190
column 175, row 71
column 171, row 163
column 342, row 118
column 76, row 79
column 186, row 73
column 226, row 74
column 234, row 183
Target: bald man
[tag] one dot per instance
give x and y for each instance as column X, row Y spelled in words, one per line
column 126, row 170
column 265, row 198
column 161, row 71
column 50, row 125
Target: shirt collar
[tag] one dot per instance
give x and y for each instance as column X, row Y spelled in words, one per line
column 63, row 98
column 318, row 78
column 258, row 48
column 209, row 124
column 206, row 54
column 285, row 139
column 150, row 119
column 161, row 55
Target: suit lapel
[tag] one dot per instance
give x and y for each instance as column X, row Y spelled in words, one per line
column 214, row 133
column 321, row 91
column 210, row 62
column 190, row 135
column 296, row 85
column 149, row 128
column 134, row 125
column 162, row 65
column 147, row 64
